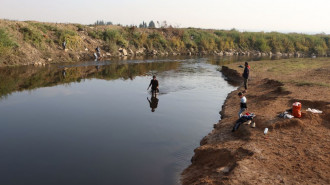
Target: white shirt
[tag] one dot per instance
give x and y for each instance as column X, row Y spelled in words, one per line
column 243, row 99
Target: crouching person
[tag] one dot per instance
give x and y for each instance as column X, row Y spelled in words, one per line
column 248, row 117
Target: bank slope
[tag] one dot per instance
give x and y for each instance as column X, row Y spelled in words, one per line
column 38, row 43
column 294, row 151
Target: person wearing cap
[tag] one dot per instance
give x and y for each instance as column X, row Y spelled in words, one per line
column 246, row 75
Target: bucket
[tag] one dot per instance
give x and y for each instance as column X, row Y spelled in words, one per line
column 296, row 107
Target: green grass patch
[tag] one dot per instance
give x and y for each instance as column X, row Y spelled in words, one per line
column 71, row 37
column 44, row 27
column 6, row 43
column 32, row 36
column 157, row 41
column 114, row 39
column 95, row 34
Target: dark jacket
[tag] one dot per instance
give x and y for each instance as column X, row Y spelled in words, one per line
column 242, row 120
column 154, row 84
column 246, row 72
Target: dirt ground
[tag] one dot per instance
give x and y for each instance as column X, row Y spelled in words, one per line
column 295, row 151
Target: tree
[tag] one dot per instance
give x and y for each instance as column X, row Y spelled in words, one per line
column 143, row 25
column 152, row 24
column 164, row 24
column 101, row 22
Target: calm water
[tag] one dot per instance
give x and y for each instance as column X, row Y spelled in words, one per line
column 93, row 123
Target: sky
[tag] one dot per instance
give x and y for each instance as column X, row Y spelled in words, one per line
column 302, row 16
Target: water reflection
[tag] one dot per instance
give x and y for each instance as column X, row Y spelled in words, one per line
column 153, row 101
column 100, row 130
column 29, row 77
column 106, row 131
column 64, row 73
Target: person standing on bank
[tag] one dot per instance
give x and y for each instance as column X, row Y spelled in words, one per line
column 246, row 75
column 154, row 85
column 64, row 44
column 98, row 51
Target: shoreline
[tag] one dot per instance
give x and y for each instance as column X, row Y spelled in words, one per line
column 284, row 155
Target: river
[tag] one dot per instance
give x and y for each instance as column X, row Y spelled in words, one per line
column 96, row 123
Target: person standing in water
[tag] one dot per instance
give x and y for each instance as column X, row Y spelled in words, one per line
column 154, row 85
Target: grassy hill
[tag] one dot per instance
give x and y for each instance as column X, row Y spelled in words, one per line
column 29, row 42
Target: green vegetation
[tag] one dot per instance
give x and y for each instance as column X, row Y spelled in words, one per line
column 44, row 27
column 48, row 39
column 95, row 34
column 156, row 40
column 114, row 38
column 176, row 39
column 6, row 43
column 207, row 40
column 38, row 33
column 71, row 37
column 274, row 42
column 33, row 36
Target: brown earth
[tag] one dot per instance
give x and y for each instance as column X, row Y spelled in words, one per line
column 295, row 151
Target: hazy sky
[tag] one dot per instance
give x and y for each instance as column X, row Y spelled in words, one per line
column 311, row 16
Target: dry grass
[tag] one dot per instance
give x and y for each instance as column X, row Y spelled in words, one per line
column 292, row 71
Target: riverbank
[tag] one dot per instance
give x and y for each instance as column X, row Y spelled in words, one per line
column 294, row 151
column 38, row 43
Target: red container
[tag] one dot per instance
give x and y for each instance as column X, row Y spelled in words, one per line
column 296, row 109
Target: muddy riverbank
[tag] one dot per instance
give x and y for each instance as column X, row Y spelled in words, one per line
column 294, row 151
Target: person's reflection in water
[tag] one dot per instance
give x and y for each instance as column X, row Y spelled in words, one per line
column 153, row 102
column 64, row 72
column 97, row 68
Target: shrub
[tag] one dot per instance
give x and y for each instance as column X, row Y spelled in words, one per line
column 32, row 36
column 187, row 40
column 138, row 39
column 157, row 41
column 114, row 37
column 80, row 27
column 72, row 39
column 95, row 34
column 177, row 43
column 261, row 45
